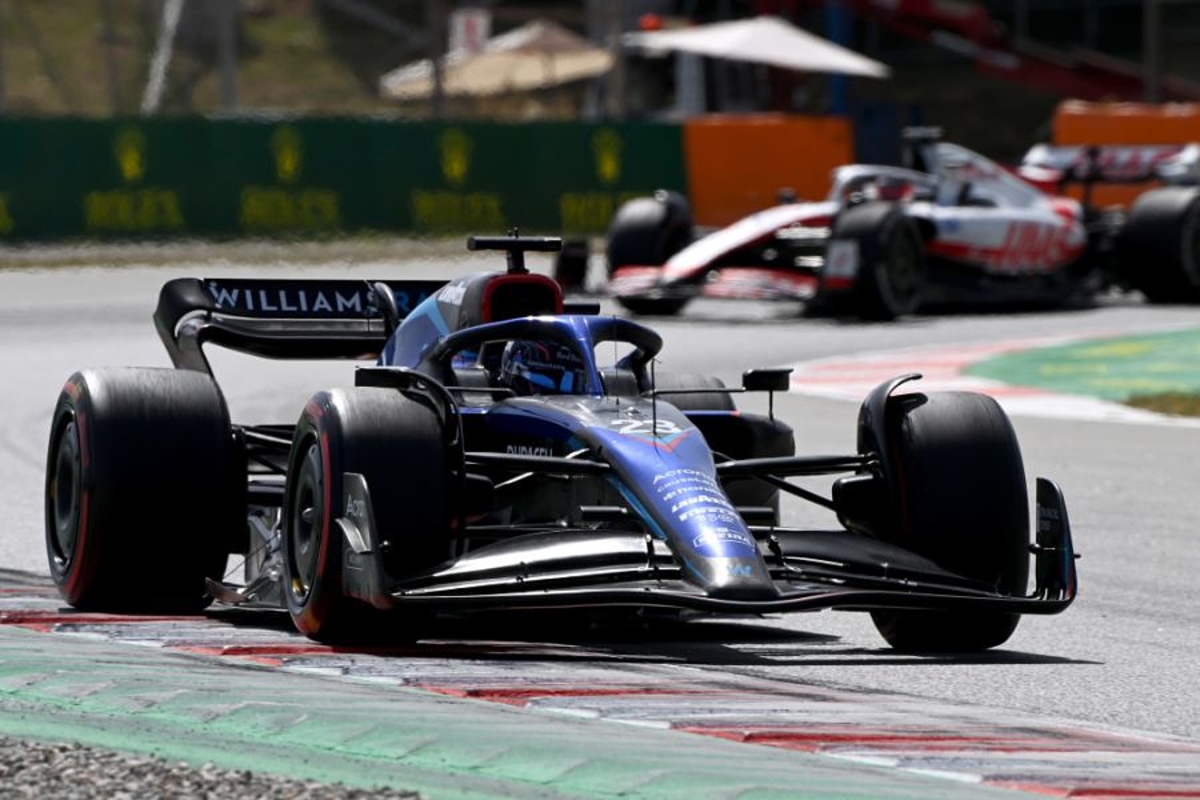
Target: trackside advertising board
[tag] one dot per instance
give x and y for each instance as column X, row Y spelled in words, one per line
column 156, row 178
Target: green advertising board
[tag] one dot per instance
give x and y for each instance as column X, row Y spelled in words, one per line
column 147, row 178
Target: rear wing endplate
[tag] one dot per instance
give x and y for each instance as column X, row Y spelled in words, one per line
column 282, row 318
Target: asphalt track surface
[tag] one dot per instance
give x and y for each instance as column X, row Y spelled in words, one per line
column 1101, row 699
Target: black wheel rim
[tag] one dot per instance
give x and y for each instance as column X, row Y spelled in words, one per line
column 62, row 498
column 304, row 525
column 903, row 274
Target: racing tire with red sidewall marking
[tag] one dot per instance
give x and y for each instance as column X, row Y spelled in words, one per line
column 890, row 279
column 396, row 443
column 1159, row 246
column 145, row 490
column 961, row 501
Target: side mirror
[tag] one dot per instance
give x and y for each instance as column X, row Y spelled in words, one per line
column 767, row 380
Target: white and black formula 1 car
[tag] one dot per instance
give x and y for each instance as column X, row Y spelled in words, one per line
column 501, row 452
column 954, row 229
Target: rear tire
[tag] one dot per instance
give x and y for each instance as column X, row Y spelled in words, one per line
column 694, row 401
column 737, row 436
column 891, row 278
column 144, row 490
column 1160, row 245
column 741, row 436
column 571, row 265
column 396, row 443
column 653, row 306
column 963, row 503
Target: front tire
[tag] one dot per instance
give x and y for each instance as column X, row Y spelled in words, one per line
column 963, row 503
column 646, row 231
column 144, row 491
column 396, row 443
column 890, row 279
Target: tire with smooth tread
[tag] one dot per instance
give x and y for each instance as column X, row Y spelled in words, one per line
column 145, row 490
column 963, row 503
column 1159, row 246
column 694, row 400
column 653, row 306
column 397, row 444
column 890, row 281
column 646, row 231
column 736, row 436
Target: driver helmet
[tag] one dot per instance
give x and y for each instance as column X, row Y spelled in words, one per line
column 542, row 368
column 893, row 189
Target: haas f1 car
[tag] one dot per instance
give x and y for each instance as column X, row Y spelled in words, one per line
column 497, row 451
column 955, row 229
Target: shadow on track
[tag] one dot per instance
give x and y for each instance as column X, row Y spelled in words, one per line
column 567, row 637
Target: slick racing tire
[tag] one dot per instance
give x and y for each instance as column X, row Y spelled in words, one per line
column 890, row 277
column 653, row 306
column 145, row 490
column 571, row 265
column 646, row 231
column 737, row 436
column 395, row 442
column 1160, row 245
column 742, row 436
column 694, row 400
column 963, row 503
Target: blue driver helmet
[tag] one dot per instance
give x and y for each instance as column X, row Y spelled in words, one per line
column 542, row 368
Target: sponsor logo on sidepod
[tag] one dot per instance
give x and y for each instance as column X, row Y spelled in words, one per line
column 527, row 450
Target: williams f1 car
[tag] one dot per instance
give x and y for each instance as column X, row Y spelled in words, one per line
column 954, row 229
column 498, row 451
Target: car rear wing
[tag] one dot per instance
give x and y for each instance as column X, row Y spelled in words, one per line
column 1177, row 164
column 282, row 318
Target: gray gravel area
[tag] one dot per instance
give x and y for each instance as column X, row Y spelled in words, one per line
column 75, row 772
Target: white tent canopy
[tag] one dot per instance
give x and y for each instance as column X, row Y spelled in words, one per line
column 538, row 55
column 762, row 40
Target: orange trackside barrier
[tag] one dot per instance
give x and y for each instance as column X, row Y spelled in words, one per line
column 1080, row 122
column 738, row 164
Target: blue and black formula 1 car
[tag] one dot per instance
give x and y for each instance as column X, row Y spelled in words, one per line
column 502, row 452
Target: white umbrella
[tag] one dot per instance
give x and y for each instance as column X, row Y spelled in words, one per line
column 762, row 40
column 537, row 55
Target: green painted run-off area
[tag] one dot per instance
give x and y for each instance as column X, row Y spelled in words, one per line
column 1114, row 369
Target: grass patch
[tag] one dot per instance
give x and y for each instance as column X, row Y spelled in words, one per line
column 1181, row 404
